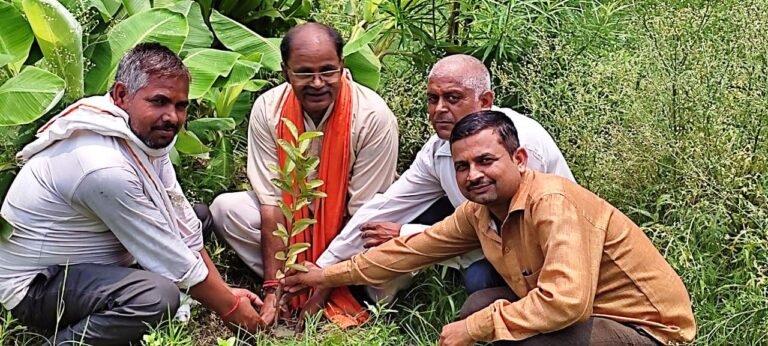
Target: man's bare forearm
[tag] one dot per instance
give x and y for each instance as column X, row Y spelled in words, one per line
column 213, row 292
column 270, row 217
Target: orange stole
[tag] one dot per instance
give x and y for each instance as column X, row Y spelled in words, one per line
column 342, row 308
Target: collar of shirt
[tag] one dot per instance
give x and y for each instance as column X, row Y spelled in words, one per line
column 311, row 124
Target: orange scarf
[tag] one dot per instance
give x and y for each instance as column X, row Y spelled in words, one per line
column 342, row 308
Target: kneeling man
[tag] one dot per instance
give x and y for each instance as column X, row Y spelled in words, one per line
column 577, row 270
column 103, row 237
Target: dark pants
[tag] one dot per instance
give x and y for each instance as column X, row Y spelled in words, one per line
column 478, row 275
column 101, row 304
column 204, row 214
column 98, row 304
column 593, row 331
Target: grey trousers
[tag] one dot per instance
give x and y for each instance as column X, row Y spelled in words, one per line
column 594, row 331
column 98, row 304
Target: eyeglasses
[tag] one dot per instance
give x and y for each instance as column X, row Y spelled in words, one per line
column 331, row 76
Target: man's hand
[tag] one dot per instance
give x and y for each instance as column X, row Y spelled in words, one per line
column 315, row 303
column 245, row 316
column 252, row 297
column 456, row 334
column 296, row 281
column 377, row 233
column 269, row 309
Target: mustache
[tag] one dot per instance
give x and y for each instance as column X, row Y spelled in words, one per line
column 475, row 183
column 167, row 127
column 311, row 91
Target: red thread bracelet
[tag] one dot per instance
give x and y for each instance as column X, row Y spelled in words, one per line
column 270, row 283
column 234, row 307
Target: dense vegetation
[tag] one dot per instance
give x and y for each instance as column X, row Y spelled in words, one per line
column 659, row 106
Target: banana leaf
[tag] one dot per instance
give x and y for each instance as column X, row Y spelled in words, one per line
column 59, row 36
column 29, row 95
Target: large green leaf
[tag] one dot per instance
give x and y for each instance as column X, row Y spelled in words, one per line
column 362, row 38
column 205, row 65
column 29, row 95
column 136, row 6
column 243, row 70
column 188, row 143
column 222, row 163
column 156, row 25
column 239, row 38
column 198, row 35
column 59, row 36
column 206, row 127
column 365, row 67
column 15, row 38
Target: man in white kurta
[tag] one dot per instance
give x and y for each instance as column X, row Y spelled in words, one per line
column 313, row 67
column 103, row 237
column 458, row 85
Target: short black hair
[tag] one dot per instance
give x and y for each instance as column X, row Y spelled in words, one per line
column 501, row 124
column 285, row 44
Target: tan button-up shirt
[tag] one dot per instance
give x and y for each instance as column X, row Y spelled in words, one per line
column 568, row 253
column 373, row 145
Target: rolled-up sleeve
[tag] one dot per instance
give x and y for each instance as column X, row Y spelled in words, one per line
column 116, row 196
column 453, row 236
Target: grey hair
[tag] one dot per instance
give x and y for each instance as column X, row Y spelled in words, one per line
column 145, row 60
column 467, row 69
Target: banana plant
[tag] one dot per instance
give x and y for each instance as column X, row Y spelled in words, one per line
column 294, row 179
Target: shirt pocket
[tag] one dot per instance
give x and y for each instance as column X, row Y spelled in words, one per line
column 532, row 279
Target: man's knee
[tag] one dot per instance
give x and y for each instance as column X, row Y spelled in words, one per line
column 235, row 208
column 481, row 275
column 156, row 298
column 483, row 298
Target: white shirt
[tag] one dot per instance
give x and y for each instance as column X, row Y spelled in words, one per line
column 82, row 201
column 432, row 176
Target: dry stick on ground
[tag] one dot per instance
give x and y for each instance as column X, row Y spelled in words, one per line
column 294, row 180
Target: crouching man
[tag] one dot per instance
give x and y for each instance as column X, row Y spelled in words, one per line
column 577, row 270
column 102, row 234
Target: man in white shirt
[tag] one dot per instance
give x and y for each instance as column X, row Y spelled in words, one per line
column 458, row 85
column 103, row 237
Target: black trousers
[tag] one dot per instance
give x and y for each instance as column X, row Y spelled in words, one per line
column 101, row 304
column 97, row 304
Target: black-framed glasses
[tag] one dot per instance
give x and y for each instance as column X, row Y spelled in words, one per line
column 331, row 76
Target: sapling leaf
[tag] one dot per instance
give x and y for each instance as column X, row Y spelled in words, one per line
column 300, row 204
column 298, row 267
column 279, row 274
column 307, row 136
column 280, row 255
column 297, row 248
column 282, row 185
column 274, row 168
column 292, row 128
column 300, row 225
column 312, row 163
column 287, row 212
column 313, row 184
column 289, row 150
column 303, row 146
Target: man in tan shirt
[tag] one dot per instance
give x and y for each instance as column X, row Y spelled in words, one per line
column 313, row 68
column 584, row 272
